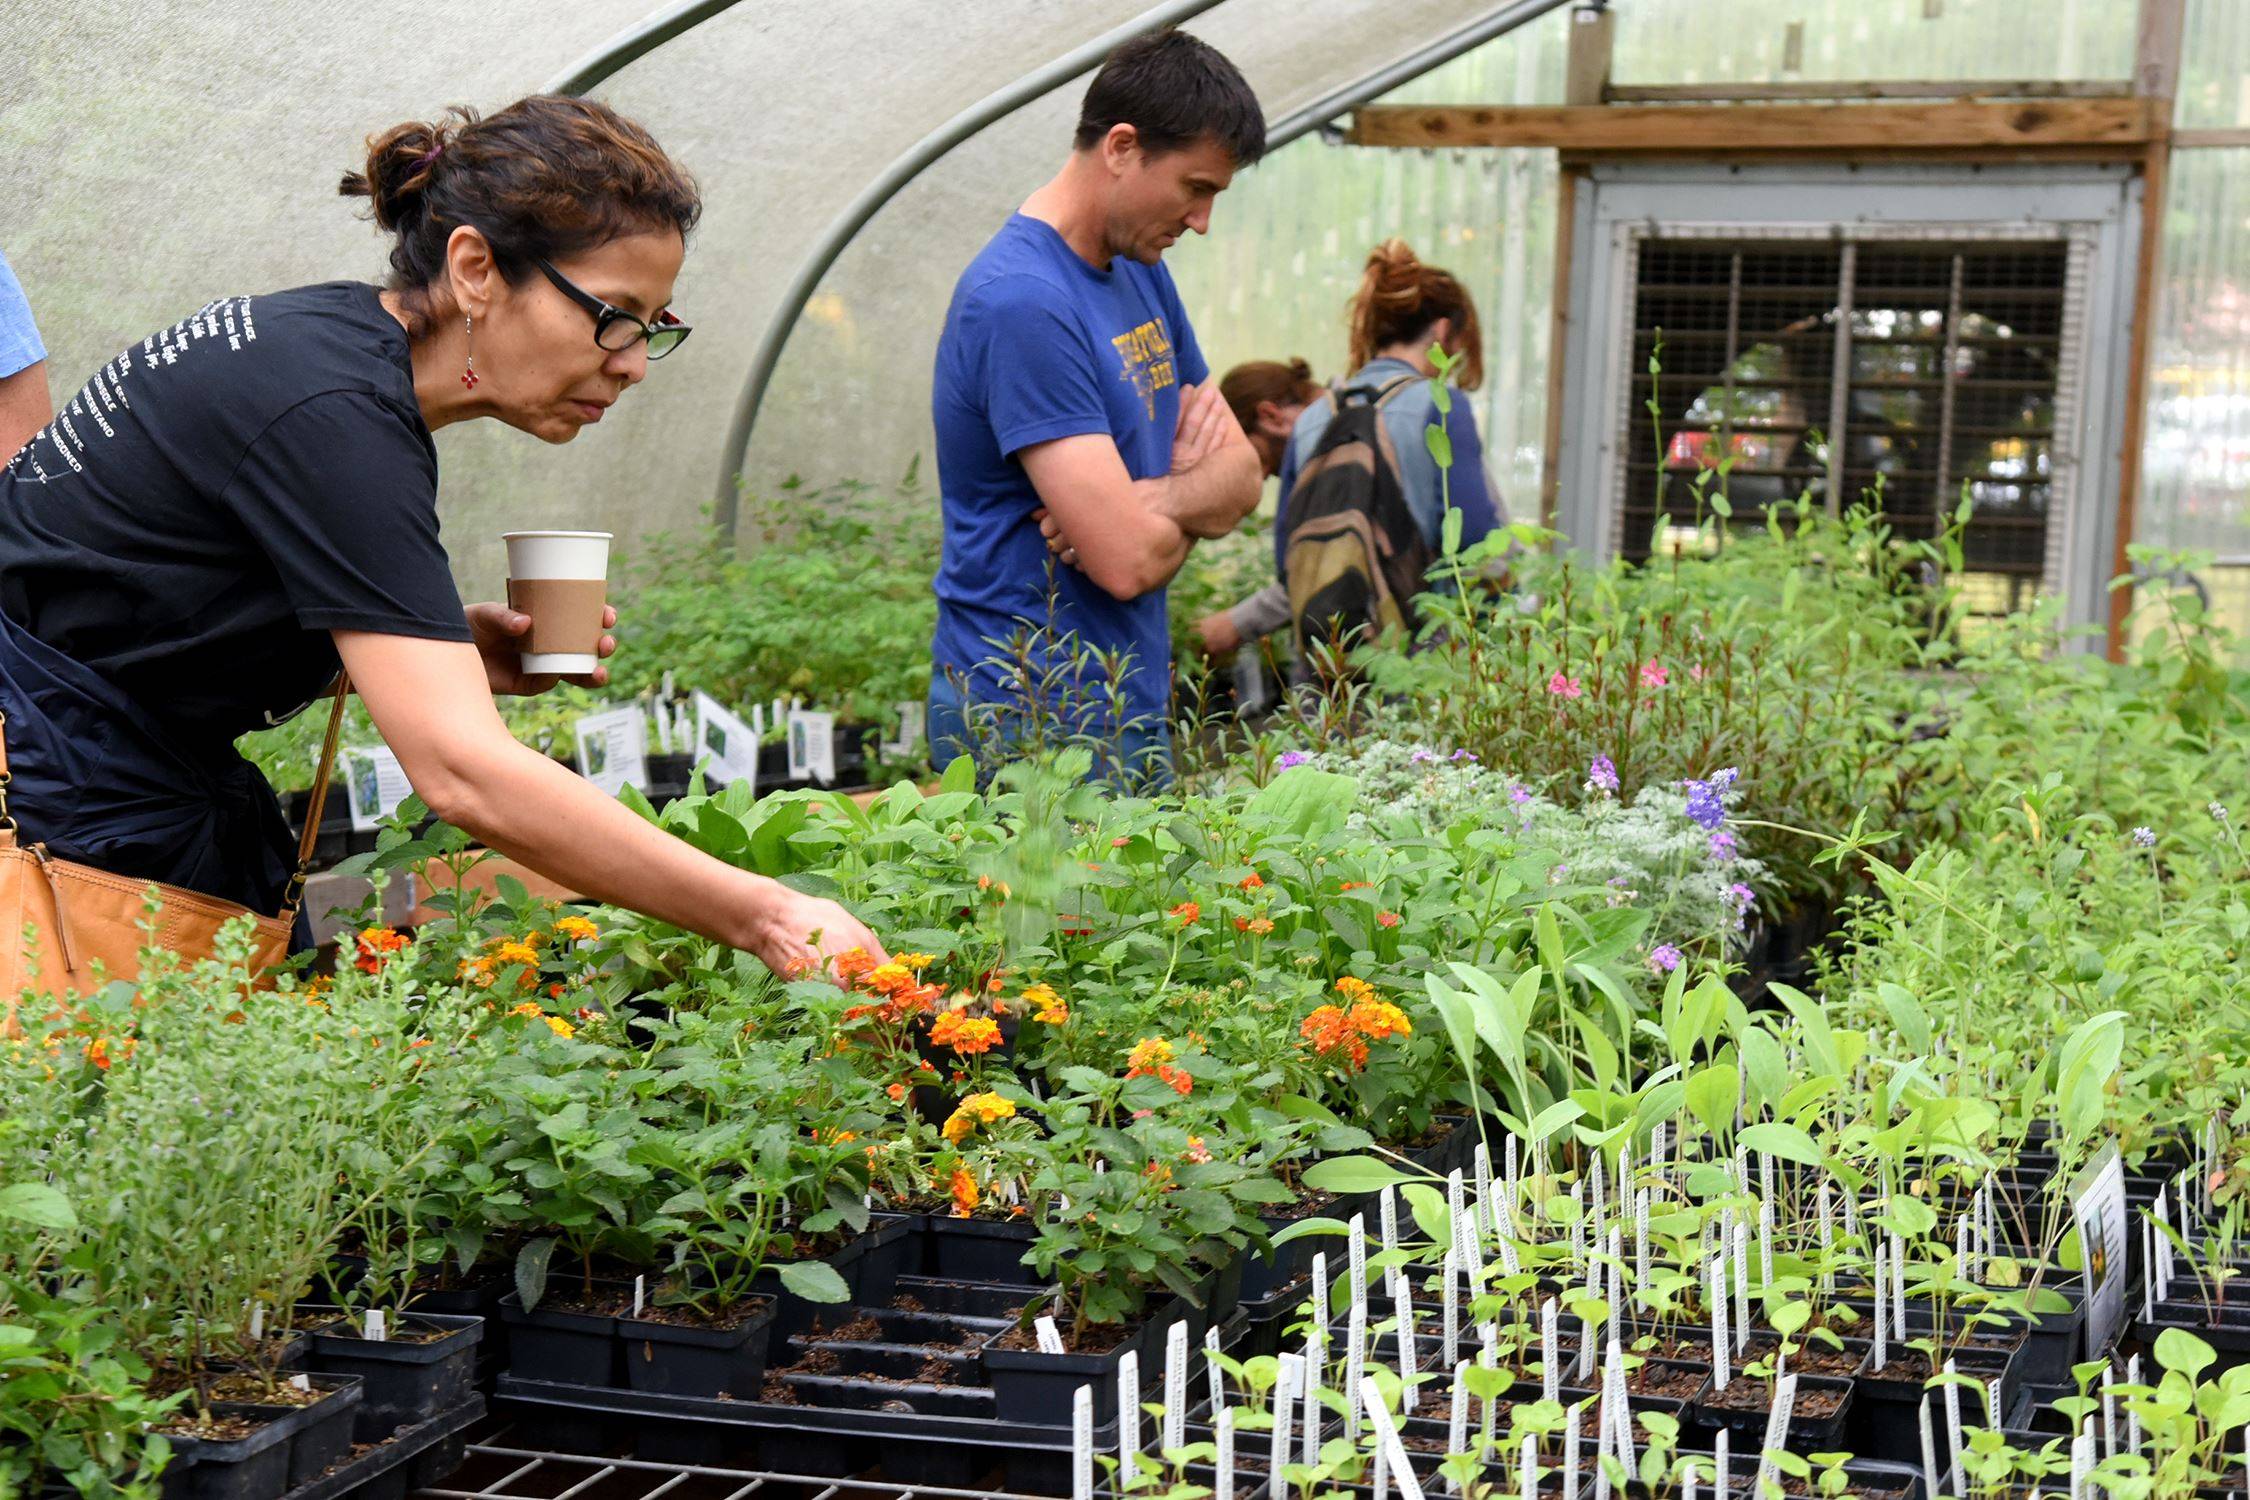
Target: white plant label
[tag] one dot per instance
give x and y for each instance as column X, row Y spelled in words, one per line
column 1722, row 1469
column 1386, row 1433
column 1528, row 1468
column 724, row 746
column 1222, row 1431
column 640, row 1294
column 1175, row 1385
column 1212, row 1370
column 374, row 785
column 1573, row 1426
column 1309, row 1447
column 2109, row 1416
column 1484, row 1187
column 300, row 1382
column 1387, row 1206
column 1898, row 1287
column 1049, row 1336
column 613, row 748
column 1550, row 1362
column 1356, row 1246
column 1457, row 1420
column 1402, row 1305
column 1953, row 1430
column 1882, row 1313
column 1640, row 1238
column 661, row 714
column 1717, row 1296
column 1284, row 1402
column 1451, row 1332
column 1082, row 1444
column 1320, row 1299
column 1355, row 1357
column 1827, row 1239
column 812, row 747
column 2081, row 1464
column 1765, row 1244
column 1929, row 1454
column 1741, row 1287
column 1128, row 1415
column 374, row 1329
column 257, row 1320
column 910, row 730
column 1777, row 1427
column 2097, row 1203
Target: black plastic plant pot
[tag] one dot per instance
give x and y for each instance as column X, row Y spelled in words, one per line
column 885, row 1248
column 1028, row 1386
column 426, row 1365
column 968, row 1299
column 324, row 1435
column 987, row 1250
column 579, row 1348
column 1809, row 1431
column 680, row 1359
column 251, row 1467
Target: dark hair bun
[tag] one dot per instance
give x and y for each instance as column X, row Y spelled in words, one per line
column 1300, row 369
column 401, row 163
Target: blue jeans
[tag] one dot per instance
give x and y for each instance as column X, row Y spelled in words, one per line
column 1137, row 757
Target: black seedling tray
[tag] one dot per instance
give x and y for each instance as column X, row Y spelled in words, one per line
column 411, row 1458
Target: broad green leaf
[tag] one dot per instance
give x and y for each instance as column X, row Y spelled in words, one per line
column 814, row 1281
column 1785, row 1141
column 37, row 1204
column 1348, row 1175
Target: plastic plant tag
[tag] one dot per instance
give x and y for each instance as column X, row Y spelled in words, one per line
column 1175, row 1385
column 300, row 1382
column 1484, row 1188
column 257, row 1320
column 2081, row 1464
column 1659, row 1139
column 1457, row 1420
column 1386, row 1433
column 1601, row 1446
column 724, row 747
column 1722, row 1470
column 1741, row 1287
column 1777, row 1428
column 1454, row 1203
column 2109, row 1416
column 1573, row 1430
column 1640, row 1238
column 1355, row 1356
column 1488, row 1357
column 1550, row 1362
column 640, row 1294
column 1898, row 1287
column 1929, row 1453
column 1356, row 1247
column 1827, row 1239
column 1402, row 1305
column 1450, row 1338
column 613, row 748
column 1882, row 1313
column 663, row 720
column 374, row 1330
column 1953, row 1431
column 1387, row 1207
column 1528, row 1468
column 1577, row 1225
column 1508, row 1170
column 1284, row 1403
column 1598, row 1203
column 1082, row 1444
column 1049, row 1336
column 1222, row 1431
column 1216, row 1375
column 1309, row 1443
column 1765, row 1244
column 1128, row 1415
column 1715, row 1294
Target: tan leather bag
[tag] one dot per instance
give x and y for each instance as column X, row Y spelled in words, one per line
column 63, row 918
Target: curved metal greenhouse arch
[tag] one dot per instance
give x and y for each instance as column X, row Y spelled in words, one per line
column 675, row 21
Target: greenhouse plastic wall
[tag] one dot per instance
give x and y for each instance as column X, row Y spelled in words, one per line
column 204, row 163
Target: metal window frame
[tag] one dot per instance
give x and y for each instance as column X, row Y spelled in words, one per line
column 2070, row 342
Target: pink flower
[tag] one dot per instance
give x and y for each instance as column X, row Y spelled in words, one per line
column 1653, row 674
column 1564, row 687
column 1695, row 673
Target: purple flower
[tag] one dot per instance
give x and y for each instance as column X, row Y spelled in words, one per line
column 1706, row 803
column 1468, row 755
column 1518, row 793
column 1602, row 775
column 1742, row 895
column 2145, row 837
column 1663, row 959
column 1724, row 780
column 1722, row 845
column 1291, row 759
column 1420, row 756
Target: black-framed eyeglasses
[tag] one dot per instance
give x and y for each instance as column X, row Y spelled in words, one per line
column 617, row 330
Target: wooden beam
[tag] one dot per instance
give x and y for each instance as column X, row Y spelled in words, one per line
column 1776, row 127
column 2156, row 76
column 2191, row 140
column 1558, row 349
column 1875, row 88
column 1586, row 70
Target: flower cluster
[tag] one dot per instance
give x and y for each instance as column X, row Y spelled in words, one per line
column 1153, row 1057
column 1345, row 1030
column 1047, row 1007
column 376, row 946
column 1601, row 776
column 967, row 1035
column 896, row 983
column 556, row 1024
column 500, row 955
column 1707, row 800
column 975, row 1110
column 576, row 929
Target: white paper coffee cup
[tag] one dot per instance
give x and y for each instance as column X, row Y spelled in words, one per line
column 561, row 580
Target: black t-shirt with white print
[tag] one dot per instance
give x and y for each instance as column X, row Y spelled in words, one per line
column 222, row 495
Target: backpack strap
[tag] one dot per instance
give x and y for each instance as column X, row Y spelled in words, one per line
column 318, row 802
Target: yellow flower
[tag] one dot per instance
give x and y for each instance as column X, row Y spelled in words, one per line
column 1048, row 1007
column 915, row 961
column 989, row 1108
column 515, row 953
column 1377, row 1019
column 959, row 1126
column 1355, row 989
column 528, row 1008
column 559, row 1026
column 577, row 929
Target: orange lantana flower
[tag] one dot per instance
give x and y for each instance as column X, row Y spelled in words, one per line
column 966, row 1035
column 964, row 1190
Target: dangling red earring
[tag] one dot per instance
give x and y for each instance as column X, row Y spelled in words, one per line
column 469, row 373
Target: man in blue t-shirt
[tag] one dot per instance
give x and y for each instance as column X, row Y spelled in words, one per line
column 1082, row 446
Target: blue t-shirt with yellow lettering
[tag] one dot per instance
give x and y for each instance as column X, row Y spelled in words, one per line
column 1039, row 345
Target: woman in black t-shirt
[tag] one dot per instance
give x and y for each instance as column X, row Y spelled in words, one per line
column 232, row 507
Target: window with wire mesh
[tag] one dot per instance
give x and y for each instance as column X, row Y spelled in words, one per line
column 1944, row 385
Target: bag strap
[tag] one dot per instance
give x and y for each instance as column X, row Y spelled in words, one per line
column 7, row 820
column 317, row 803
